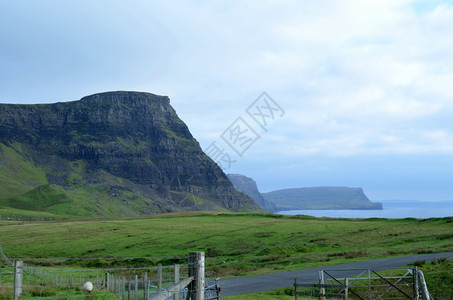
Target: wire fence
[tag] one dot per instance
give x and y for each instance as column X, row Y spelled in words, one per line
column 67, row 283
column 63, row 282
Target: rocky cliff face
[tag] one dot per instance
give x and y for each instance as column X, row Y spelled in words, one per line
column 130, row 145
column 248, row 186
column 321, row 198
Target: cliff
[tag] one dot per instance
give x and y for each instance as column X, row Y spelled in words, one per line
column 321, row 198
column 108, row 154
column 248, row 186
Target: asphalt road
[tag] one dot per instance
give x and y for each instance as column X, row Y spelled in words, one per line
column 259, row 283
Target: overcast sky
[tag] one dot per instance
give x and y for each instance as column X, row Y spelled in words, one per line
column 362, row 90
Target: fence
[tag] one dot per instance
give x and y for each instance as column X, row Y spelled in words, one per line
column 366, row 284
column 179, row 282
column 25, row 281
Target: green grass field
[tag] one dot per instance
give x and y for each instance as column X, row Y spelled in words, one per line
column 235, row 244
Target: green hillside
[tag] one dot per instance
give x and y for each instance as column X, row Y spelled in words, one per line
column 26, row 192
column 112, row 154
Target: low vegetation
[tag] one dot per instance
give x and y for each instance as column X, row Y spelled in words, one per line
column 439, row 277
column 235, row 244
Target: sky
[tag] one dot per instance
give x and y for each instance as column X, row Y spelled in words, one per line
column 357, row 93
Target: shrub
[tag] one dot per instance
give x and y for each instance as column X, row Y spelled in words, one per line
column 438, row 260
column 213, row 252
column 354, row 254
column 419, row 263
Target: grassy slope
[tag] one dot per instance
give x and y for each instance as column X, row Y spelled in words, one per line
column 27, row 194
column 234, row 244
column 17, row 175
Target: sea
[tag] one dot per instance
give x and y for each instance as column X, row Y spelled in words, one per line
column 392, row 209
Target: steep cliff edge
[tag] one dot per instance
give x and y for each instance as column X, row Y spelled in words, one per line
column 108, row 154
column 321, row 198
column 248, row 186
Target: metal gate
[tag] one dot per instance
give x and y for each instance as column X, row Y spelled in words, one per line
column 361, row 284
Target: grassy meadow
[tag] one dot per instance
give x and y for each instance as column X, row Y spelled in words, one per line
column 235, row 244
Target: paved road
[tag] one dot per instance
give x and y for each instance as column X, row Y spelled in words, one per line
column 259, row 283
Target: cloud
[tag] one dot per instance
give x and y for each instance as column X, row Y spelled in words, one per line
column 366, row 85
column 354, row 77
column 75, row 48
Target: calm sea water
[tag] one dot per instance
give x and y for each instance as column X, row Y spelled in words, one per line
column 393, row 209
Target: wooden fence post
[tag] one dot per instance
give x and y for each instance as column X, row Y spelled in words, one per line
column 18, row 276
column 346, row 288
column 296, row 294
column 322, row 290
column 177, row 268
column 136, row 288
column 415, row 283
column 159, row 278
column 145, row 286
column 129, row 288
column 106, row 282
column 196, row 269
column 123, row 287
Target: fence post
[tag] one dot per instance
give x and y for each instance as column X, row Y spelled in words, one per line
column 123, row 287
column 159, row 278
column 136, row 288
column 322, row 289
column 18, row 276
column 296, row 294
column 106, row 282
column 415, row 283
column 196, row 269
column 145, row 286
column 177, row 268
column 346, row 288
column 129, row 288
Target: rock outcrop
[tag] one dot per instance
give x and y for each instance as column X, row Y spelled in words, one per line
column 129, row 149
column 321, row 198
column 248, row 186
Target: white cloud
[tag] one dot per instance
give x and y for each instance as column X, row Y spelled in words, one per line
column 346, row 72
